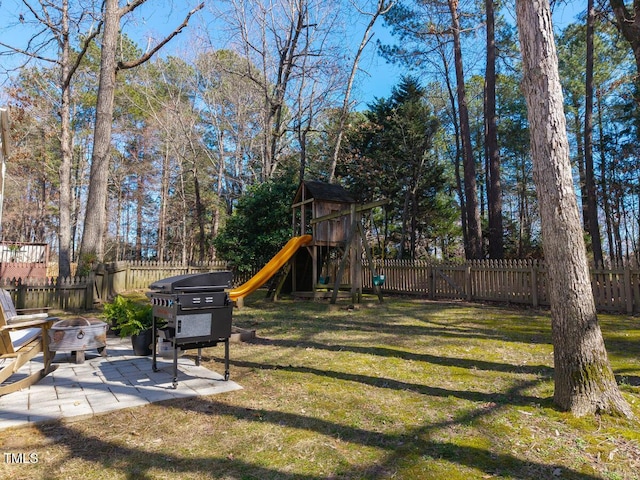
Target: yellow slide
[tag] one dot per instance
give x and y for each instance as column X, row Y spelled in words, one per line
column 270, row 268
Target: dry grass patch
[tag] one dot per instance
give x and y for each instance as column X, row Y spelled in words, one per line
column 408, row 389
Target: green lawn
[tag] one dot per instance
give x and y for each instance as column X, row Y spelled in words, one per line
column 408, row 389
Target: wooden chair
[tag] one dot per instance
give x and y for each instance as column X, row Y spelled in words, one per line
column 22, row 337
column 10, row 313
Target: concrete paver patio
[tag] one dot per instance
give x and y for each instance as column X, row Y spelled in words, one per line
column 104, row 384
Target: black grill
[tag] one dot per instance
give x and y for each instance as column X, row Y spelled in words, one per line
column 192, row 311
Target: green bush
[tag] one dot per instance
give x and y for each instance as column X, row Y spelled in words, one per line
column 128, row 317
column 259, row 226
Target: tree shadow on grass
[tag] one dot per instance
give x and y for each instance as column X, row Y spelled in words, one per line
column 412, row 322
column 399, row 449
column 543, row 370
column 624, row 348
column 520, row 326
column 532, row 334
column 137, row 463
column 528, row 335
column 380, row 382
column 623, row 378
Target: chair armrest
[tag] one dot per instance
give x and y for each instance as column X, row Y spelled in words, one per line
column 27, row 311
column 32, row 316
column 43, row 322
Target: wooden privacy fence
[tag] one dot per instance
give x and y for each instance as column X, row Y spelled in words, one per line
column 70, row 294
column 516, row 281
column 84, row 293
column 139, row 275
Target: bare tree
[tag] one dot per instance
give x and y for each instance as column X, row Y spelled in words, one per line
column 92, row 245
column 382, row 7
column 291, row 49
column 230, row 106
column 56, row 21
column 269, row 39
column 584, row 381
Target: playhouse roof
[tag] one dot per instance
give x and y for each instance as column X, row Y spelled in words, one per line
column 323, row 191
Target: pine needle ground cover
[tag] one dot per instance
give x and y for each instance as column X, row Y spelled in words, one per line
column 408, row 389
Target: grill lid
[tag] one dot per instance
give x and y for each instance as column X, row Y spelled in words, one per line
column 198, row 282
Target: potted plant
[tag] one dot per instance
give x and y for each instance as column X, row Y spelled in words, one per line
column 130, row 318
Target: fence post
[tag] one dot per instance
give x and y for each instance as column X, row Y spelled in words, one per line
column 127, row 276
column 467, row 282
column 534, row 283
column 20, row 303
column 89, row 289
column 628, row 295
column 432, row 282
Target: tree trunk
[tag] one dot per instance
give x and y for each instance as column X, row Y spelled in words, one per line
column 302, row 141
column 580, row 164
column 91, row 247
column 164, row 198
column 275, row 94
column 604, row 189
column 590, row 183
column 494, row 191
column 94, row 233
column 617, row 218
column 141, row 189
column 474, row 229
column 456, row 134
column 54, row 27
column 414, row 225
column 522, row 210
column 404, row 226
column 183, row 224
column 217, row 208
column 64, row 171
column 629, row 25
column 121, row 224
column 199, row 215
column 584, row 381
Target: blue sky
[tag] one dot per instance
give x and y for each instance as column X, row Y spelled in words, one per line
column 159, row 17
column 382, row 76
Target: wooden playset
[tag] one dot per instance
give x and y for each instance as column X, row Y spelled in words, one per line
column 333, row 258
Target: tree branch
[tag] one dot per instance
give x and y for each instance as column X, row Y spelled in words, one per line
column 81, row 54
column 620, row 10
column 130, row 7
column 147, row 56
column 46, row 20
column 27, row 53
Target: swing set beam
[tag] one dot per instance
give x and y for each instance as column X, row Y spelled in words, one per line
column 348, row 211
